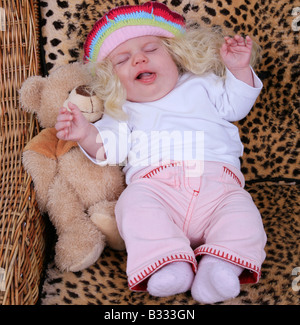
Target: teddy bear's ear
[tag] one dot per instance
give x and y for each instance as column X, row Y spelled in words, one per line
column 30, row 93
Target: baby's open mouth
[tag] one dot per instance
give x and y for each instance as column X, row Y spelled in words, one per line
column 146, row 76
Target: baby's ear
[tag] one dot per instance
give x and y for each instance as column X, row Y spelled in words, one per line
column 30, row 93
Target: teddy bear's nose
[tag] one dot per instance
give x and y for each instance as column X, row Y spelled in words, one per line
column 84, row 91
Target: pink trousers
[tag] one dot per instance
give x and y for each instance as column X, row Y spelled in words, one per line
column 167, row 214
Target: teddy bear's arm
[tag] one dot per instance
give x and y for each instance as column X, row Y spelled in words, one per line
column 42, row 171
column 80, row 242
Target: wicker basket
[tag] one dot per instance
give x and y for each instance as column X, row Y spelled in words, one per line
column 22, row 228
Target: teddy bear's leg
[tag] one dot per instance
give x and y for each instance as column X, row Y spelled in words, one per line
column 42, row 171
column 103, row 215
column 80, row 242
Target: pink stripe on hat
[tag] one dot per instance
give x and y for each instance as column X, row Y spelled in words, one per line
column 125, row 33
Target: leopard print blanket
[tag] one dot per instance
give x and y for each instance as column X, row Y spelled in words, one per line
column 269, row 133
column 105, row 283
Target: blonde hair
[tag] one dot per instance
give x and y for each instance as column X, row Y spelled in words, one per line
column 196, row 51
column 107, row 86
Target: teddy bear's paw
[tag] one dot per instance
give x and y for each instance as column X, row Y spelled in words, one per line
column 108, row 226
column 88, row 260
column 75, row 253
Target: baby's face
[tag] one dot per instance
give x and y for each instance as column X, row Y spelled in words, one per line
column 145, row 68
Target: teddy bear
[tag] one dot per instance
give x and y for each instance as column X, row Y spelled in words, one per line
column 78, row 195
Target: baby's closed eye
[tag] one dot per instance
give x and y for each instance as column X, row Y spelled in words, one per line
column 150, row 48
column 120, row 59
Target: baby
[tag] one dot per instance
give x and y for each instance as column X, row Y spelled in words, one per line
column 171, row 93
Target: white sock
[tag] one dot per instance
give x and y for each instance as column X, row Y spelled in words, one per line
column 216, row 280
column 174, row 278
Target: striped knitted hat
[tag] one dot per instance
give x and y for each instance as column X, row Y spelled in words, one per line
column 127, row 22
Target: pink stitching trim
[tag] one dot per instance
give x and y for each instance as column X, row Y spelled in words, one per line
column 233, row 175
column 228, row 257
column 160, row 168
column 141, row 276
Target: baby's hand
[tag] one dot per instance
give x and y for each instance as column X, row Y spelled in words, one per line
column 236, row 52
column 71, row 124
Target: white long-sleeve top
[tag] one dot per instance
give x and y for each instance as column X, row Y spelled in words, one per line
column 192, row 122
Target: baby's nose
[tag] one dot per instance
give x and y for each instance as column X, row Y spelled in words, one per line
column 140, row 58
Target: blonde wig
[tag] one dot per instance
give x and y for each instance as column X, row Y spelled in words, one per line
column 197, row 51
